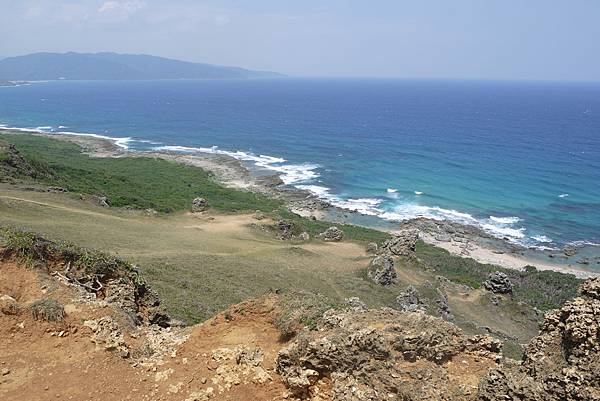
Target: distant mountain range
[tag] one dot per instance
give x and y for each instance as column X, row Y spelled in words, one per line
column 113, row 66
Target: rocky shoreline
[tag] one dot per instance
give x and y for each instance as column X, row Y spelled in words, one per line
column 458, row 239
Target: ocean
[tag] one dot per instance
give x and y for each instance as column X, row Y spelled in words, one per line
column 520, row 160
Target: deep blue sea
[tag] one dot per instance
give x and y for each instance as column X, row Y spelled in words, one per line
column 521, row 160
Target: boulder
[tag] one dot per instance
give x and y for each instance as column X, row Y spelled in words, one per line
column 285, row 229
column 108, row 335
column 333, row 234
column 443, row 237
column 258, row 215
column 304, row 236
column 498, row 283
column 570, row 250
column 199, row 205
column 372, row 247
column 57, row 189
column 8, row 305
column 402, row 244
column 409, row 300
column 101, row 201
column 355, row 304
column 442, row 305
column 381, row 270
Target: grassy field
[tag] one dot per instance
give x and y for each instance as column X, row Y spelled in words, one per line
column 137, row 182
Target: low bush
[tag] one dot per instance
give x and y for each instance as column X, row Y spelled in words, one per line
column 48, row 310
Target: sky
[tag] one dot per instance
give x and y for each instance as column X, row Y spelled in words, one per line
column 456, row 39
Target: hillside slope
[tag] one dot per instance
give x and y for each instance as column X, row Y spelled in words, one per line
column 113, row 66
column 91, row 343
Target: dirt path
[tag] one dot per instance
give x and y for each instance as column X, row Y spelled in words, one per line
column 59, row 207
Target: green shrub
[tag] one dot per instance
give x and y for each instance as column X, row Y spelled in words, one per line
column 48, row 310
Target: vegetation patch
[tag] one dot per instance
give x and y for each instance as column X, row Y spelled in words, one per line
column 38, row 251
column 136, row 182
column 543, row 289
column 48, row 310
column 299, row 309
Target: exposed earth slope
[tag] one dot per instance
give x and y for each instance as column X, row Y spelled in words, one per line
column 97, row 348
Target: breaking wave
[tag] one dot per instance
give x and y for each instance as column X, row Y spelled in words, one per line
column 290, row 174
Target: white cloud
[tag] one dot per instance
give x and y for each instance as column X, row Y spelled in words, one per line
column 121, row 8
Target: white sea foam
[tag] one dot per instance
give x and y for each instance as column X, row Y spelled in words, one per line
column 498, row 229
column 563, row 195
column 366, row 206
column 508, row 232
column 505, row 220
column 290, row 174
column 583, row 243
column 410, row 211
column 418, row 193
column 320, row 191
column 121, row 142
column 541, row 238
column 392, row 190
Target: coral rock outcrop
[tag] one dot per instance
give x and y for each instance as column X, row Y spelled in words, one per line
column 386, row 354
column 562, row 362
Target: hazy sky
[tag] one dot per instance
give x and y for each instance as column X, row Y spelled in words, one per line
column 498, row 39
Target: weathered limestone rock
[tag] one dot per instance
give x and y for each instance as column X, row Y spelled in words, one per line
column 381, row 270
column 402, row 244
column 498, row 283
column 561, row 363
column 333, row 234
column 108, row 335
column 199, row 205
column 304, row 236
column 101, row 201
column 8, row 305
column 372, row 247
column 285, row 229
column 355, row 304
column 368, row 355
column 409, row 301
column 442, row 304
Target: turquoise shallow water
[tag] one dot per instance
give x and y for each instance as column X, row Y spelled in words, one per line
column 521, row 160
